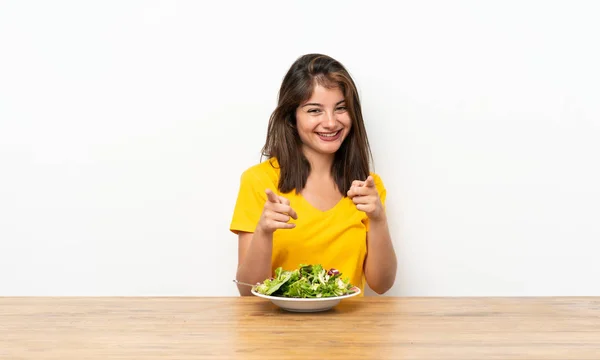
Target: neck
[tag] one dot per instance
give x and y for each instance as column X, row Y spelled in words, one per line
column 320, row 164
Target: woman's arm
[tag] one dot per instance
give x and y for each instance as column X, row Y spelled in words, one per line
column 255, row 249
column 254, row 259
column 381, row 262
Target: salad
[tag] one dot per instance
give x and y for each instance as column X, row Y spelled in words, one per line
column 308, row 281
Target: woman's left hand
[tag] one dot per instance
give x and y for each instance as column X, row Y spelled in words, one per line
column 366, row 197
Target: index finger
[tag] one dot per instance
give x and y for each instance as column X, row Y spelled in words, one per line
column 272, row 197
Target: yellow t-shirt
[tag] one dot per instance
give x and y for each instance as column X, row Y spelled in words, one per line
column 335, row 238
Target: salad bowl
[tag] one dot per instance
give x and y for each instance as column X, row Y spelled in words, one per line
column 306, row 304
column 309, row 288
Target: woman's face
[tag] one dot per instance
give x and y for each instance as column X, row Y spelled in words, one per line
column 323, row 121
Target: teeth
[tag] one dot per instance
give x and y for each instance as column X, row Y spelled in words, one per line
column 329, row 134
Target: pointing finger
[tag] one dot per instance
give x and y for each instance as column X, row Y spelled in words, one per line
column 370, row 182
column 272, row 197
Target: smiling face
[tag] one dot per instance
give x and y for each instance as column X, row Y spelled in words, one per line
column 323, row 121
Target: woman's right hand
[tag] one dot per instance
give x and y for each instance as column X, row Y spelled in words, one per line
column 276, row 214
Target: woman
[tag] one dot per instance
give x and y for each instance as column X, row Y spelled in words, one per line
column 314, row 200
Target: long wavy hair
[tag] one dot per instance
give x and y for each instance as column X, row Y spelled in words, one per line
column 351, row 161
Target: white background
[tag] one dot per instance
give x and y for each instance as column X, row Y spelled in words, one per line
column 125, row 125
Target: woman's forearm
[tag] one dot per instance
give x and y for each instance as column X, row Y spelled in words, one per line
column 381, row 263
column 256, row 264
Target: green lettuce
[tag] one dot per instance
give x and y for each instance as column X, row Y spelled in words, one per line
column 308, row 281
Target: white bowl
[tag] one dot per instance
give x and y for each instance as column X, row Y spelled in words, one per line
column 306, row 304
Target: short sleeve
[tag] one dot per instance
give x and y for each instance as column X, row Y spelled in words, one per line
column 382, row 194
column 250, row 202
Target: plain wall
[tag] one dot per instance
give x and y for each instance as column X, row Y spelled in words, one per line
column 125, row 125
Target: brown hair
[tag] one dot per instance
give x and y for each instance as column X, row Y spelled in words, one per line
column 351, row 161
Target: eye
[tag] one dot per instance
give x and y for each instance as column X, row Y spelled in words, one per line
column 340, row 108
column 314, row 111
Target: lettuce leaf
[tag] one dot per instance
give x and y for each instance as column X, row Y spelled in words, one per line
column 308, row 281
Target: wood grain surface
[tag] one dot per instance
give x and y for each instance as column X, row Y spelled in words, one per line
column 252, row 328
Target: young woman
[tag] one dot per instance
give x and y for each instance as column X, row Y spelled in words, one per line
column 314, row 199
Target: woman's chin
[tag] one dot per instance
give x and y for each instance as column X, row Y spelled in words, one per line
column 329, row 150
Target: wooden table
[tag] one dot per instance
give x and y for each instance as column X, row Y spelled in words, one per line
column 253, row 328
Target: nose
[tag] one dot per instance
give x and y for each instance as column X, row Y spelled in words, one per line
column 330, row 120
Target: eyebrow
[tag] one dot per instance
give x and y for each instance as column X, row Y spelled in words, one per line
column 316, row 104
